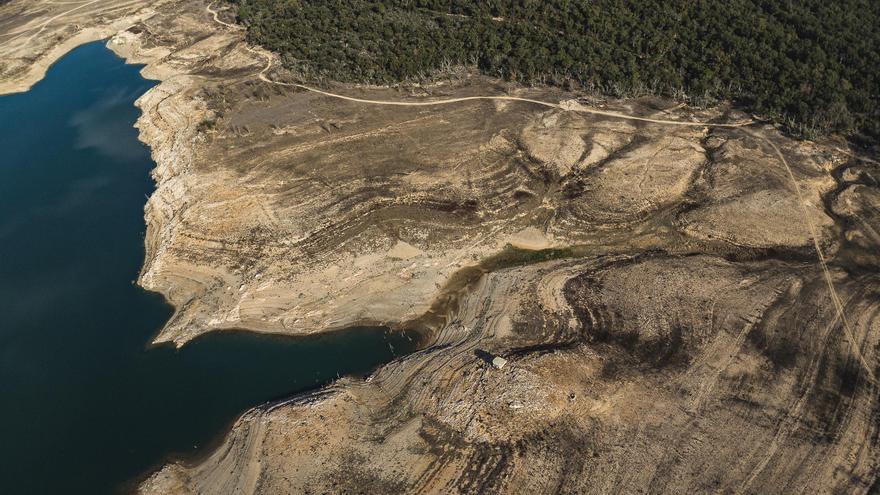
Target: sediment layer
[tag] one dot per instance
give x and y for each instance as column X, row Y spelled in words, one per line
column 655, row 288
column 728, row 376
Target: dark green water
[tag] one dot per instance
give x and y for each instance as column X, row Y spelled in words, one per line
column 85, row 406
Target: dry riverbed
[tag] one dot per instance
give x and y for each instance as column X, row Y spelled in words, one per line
column 655, row 288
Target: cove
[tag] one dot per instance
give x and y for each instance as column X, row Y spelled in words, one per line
column 86, row 405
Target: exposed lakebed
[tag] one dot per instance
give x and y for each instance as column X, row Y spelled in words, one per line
column 86, row 403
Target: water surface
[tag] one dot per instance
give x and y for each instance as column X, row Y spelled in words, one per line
column 86, row 405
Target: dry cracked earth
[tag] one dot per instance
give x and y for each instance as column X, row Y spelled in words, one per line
column 656, row 289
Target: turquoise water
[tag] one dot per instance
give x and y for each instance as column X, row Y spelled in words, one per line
column 86, row 405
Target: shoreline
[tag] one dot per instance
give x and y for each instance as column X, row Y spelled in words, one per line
column 217, row 439
column 657, row 306
column 36, row 70
column 174, row 141
column 156, row 138
column 171, row 113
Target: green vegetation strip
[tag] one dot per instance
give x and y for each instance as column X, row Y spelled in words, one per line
column 812, row 64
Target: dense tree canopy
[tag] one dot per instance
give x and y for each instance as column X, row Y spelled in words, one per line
column 812, row 63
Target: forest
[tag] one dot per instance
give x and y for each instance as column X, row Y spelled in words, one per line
column 813, row 65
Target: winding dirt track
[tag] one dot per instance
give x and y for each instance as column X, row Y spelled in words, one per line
column 573, row 108
column 564, row 107
column 835, row 297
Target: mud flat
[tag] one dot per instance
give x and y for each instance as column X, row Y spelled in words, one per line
column 672, row 329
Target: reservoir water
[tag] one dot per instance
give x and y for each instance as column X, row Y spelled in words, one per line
column 85, row 404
